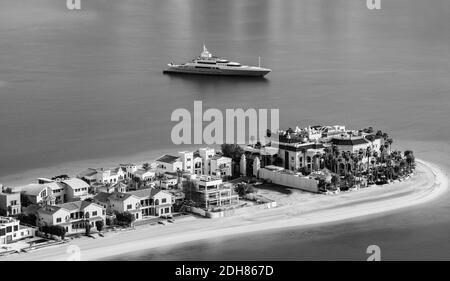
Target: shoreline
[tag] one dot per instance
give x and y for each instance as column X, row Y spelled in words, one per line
column 429, row 184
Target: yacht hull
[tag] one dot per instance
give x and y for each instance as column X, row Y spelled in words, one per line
column 218, row 72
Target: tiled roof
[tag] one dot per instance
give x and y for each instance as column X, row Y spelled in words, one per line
column 168, row 159
column 48, row 209
column 54, row 185
column 119, row 184
column 76, row 205
column 217, row 156
column 118, row 196
column 143, row 171
column 102, row 197
column 33, row 189
column 76, row 183
column 142, row 193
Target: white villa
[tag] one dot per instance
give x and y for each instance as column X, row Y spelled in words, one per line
column 55, row 192
column 72, row 216
column 102, row 175
column 10, row 202
column 213, row 192
column 153, row 202
column 169, row 163
column 221, row 166
column 11, row 231
column 120, row 202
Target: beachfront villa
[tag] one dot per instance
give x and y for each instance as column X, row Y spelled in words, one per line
column 10, row 202
column 145, row 174
column 53, row 192
column 169, row 181
column 302, row 148
column 118, row 187
column 205, row 161
column 198, row 164
column 103, row 175
column 75, row 189
column 206, row 154
column 187, row 160
column 119, row 202
column 169, row 163
column 73, row 216
column 354, row 144
column 153, row 202
column 11, row 231
column 354, row 157
column 129, row 169
column 37, row 193
column 221, row 166
column 213, row 192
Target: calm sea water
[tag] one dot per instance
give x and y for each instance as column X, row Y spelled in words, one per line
column 88, row 84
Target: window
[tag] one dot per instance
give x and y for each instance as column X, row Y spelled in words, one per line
column 58, row 220
column 44, row 193
column 167, row 210
column 94, row 213
column 8, row 229
column 129, row 206
column 2, row 231
column 164, row 200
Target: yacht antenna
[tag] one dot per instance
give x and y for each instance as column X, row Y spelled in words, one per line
column 259, row 61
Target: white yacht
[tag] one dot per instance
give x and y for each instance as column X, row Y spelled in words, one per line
column 207, row 64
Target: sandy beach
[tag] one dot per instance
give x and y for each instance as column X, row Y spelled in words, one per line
column 299, row 210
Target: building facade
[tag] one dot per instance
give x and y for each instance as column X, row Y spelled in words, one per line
column 73, row 216
column 212, row 192
column 153, row 202
column 169, row 163
column 11, row 230
column 220, row 166
column 10, row 203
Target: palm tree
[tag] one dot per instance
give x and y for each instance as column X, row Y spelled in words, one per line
column 409, row 155
column 368, row 155
column 389, row 142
